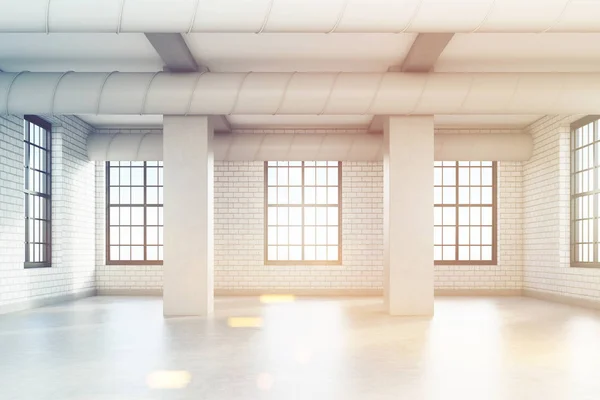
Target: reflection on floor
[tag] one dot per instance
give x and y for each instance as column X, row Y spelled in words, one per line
column 111, row 348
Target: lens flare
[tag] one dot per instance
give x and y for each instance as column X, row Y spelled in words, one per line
column 277, row 298
column 168, row 379
column 245, row 322
column 265, row 381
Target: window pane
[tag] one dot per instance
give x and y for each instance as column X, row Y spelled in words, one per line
column 295, row 216
column 321, row 195
column 125, row 253
column 321, row 253
column 309, row 253
column 437, row 176
column 295, row 177
column 282, row 216
column 295, row 235
column 137, row 253
column 272, row 216
column 272, row 253
column 125, row 195
column 309, row 236
column 125, row 216
column 309, row 195
column 321, row 216
column 449, row 194
column 332, row 235
column 449, row 252
column 137, row 216
column 295, row 195
column 137, row 235
column 283, row 235
column 310, row 215
column 449, row 176
column 332, row 178
column 332, row 216
column 282, row 195
column 437, row 215
column 332, row 253
column 321, row 176
column 295, row 253
column 125, row 176
column 449, row 215
column 321, row 235
column 272, row 176
column 282, row 176
column 137, row 176
column 309, row 177
column 151, row 176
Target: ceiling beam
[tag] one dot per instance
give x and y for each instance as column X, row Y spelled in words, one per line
column 176, row 55
column 424, row 52
column 173, row 50
column 422, row 56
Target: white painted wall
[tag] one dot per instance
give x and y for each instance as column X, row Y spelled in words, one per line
column 73, row 261
column 239, row 235
column 546, row 205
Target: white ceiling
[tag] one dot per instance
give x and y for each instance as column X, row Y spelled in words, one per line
column 480, row 52
column 291, row 52
column 81, row 52
column 521, row 52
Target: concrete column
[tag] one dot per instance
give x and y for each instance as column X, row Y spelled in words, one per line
column 408, row 214
column 188, row 216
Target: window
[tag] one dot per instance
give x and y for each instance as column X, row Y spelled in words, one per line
column 465, row 212
column 585, row 189
column 303, row 212
column 134, row 215
column 38, row 194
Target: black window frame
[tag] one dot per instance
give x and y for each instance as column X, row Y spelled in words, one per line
column 47, row 235
column 144, row 206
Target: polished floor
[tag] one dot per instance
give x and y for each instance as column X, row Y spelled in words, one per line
column 110, row 348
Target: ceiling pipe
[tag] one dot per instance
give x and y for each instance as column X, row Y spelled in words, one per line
column 301, row 16
column 313, row 147
column 389, row 93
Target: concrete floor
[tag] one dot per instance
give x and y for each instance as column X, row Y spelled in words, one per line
column 111, row 348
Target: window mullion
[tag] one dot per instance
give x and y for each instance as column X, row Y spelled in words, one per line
column 144, row 210
column 302, row 213
column 456, row 230
column 594, row 213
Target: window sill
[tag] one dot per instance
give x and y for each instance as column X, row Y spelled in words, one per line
column 585, row 266
column 133, row 263
column 303, row 264
column 30, row 265
column 460, row 263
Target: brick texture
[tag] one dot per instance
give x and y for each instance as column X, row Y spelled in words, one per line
column 73, row 261
column 546, row 205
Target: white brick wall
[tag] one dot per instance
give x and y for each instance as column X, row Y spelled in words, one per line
column 239, row 238
column 73, row 263
column 546, row 203
column 239, row 233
